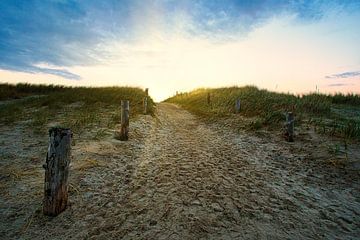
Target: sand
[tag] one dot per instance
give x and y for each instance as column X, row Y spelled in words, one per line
column 180, row 178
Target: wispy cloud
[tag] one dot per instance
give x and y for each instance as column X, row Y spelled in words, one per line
column 344, row 75
column 60, row 33
column 67, row 33
column 339, row 84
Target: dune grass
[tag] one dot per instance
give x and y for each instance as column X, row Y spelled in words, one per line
column 78, row 108
column 20, row 90
column 335, row 115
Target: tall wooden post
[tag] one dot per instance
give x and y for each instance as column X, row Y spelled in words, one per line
column 237, row 106
column 208, row 99
column 146, row 101
column 290, row 126
column 124, row 130
column 57, row 171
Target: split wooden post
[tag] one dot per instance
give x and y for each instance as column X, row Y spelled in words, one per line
column 237, row 106
column 146, row 101
column 208, row 99
column 124, row 130
column 57, row 171
column 290, row 126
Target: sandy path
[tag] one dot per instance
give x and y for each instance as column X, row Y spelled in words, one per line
column 178, row 178
column 193, row 181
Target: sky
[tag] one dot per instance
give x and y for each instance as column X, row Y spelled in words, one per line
column 178, row 45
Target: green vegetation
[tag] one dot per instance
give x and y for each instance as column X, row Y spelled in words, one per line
column 78, row 108
column 20, row 90
column 335, row 115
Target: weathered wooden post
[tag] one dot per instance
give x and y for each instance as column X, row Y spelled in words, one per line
column 57, row 171
column 146, row 101
column 208, row 99
column 237, row 106
column 290, row 126
column 145, row 104
column 124, row 130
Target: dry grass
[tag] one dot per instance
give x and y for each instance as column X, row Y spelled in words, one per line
column 17, row 174
column 87, row 164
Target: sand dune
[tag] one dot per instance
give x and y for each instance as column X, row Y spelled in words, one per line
column 179, row 178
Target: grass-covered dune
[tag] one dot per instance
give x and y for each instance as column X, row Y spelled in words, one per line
column 332, row 114
column 20, row 90
column 78, row 108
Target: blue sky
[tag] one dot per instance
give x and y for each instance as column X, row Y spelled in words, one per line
column 61, row 38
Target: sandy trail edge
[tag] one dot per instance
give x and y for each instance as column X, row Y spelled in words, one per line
column 178, row 178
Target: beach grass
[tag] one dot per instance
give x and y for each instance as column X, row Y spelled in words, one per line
column 337, row 114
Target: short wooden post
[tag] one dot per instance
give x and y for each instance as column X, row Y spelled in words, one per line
column 57, row 171
column 290, row 126
column 124, row 130
column 145, row 105
column 237, row 106
column 208, row 99
column 146, row 101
